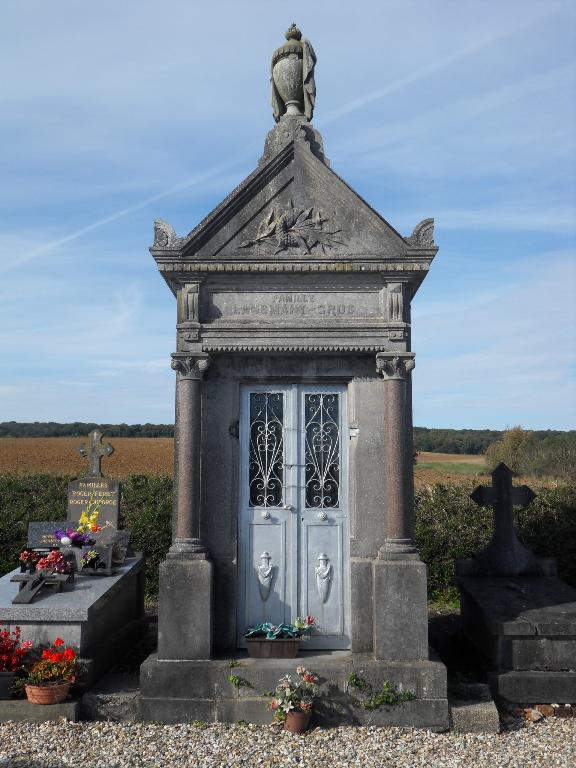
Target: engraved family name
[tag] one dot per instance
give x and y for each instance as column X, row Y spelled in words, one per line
column 104, row 492
column 305, row 305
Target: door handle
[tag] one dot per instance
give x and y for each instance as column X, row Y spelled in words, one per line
column 288, row 507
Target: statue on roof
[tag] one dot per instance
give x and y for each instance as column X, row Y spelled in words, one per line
column 292, row 77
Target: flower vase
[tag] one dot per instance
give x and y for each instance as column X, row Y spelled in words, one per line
column 6, row 682
column 50, row 693
column 297, row 722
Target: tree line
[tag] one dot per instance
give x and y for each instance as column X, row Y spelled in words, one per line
column 82, row 428
column 470, row 441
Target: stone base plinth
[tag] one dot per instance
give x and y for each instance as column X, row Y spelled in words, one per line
column 185, row 609
column 100, row 617
column 181, row 691
column 526, row 626
column 400, row 609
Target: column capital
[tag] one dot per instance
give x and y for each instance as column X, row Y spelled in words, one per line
column 190, row 366
column 395, row 365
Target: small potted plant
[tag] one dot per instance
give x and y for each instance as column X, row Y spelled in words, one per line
column 13, row 652
column 49, row 678
column 277, row 641
column 293, row 700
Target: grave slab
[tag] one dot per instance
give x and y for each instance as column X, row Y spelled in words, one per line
column 97, row 616
column 527, row 628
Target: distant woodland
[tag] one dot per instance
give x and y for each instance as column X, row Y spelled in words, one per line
column 469, row 441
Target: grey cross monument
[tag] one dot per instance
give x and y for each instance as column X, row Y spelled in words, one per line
column 504, row 555
column 96, row 452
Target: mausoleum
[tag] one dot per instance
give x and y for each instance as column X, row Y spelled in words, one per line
column 293, row 447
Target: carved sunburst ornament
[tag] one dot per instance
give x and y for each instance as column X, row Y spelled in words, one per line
column 294, row 228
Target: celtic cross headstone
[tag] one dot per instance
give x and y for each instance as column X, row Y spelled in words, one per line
column 504, row 555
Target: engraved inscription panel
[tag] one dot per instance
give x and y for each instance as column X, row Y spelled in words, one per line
column 288, row 305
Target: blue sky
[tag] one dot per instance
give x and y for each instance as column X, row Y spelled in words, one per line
column 115, row 113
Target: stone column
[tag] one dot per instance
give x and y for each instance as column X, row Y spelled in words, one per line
column 395, row 369
column 187, row 444
column 400, row 605
column 186, row 577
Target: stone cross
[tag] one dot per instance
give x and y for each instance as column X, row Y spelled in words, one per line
column 32, row 583
column 504, row 555
column 95, row 452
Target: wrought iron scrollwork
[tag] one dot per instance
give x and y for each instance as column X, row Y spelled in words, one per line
column 322, row 450
column 266, row 453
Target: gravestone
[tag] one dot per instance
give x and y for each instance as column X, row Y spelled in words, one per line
column 95, row 487
column 101, row 611
column 515, row 609
column 293, row 438
column 41, row 535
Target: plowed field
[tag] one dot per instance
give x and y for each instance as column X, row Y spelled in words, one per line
column 154, row 456
column 59, row 455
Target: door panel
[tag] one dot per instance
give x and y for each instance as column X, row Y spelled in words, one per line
column 266, row 587
column 293, row 534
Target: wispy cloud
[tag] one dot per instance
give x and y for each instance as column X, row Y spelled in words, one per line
column 442, row 63
column 45, row 248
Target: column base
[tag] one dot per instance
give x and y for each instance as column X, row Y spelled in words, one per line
column 400, row 609
column 188, row 548
column 185, row 609
column 398, row 549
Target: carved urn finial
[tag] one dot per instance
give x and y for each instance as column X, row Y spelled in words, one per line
column 292, row 77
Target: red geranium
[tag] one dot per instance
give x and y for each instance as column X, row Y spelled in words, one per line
column 12, row 650
column 57, row 664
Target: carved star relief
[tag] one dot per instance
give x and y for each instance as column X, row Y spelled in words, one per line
column 294, row 227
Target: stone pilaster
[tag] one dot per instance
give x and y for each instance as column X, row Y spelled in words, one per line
column 395, row 369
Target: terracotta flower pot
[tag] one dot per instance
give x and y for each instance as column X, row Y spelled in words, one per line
column 50, row 693
column 261, row 648
column 297, row 722
column 6, row 680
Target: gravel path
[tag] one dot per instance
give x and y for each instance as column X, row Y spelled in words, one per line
column 550, row 743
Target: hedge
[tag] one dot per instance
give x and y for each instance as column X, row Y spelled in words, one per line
column 448, row 524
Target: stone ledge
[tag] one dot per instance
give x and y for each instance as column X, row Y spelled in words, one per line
column 181, row 691
column 20, row 711
column 530, row 686
column 476, row 712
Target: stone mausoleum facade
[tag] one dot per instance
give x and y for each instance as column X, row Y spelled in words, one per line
column 293, row 448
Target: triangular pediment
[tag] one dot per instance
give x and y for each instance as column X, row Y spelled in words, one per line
column 293, row 206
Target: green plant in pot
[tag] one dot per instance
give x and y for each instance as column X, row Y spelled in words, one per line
column 13, row 653
column 278, row 640
column 50, row 677
column 293, row 700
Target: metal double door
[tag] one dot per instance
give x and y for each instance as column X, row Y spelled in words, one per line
column 293, row 533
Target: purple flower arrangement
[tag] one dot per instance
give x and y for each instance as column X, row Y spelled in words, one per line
column 69, row 537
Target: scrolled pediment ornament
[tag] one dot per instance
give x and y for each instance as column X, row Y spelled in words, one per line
column 423, row 234
column 165, row 235
column 391, row 366
column 190, row 366
column 291, row 227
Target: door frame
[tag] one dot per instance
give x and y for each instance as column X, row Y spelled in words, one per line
column 295, row 525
